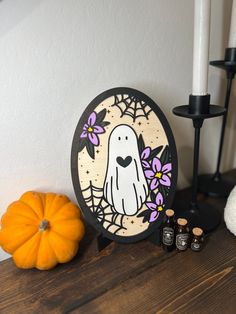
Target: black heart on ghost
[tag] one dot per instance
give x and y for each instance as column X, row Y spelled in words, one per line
column 124, row 162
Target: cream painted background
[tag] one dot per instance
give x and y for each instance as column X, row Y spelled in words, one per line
column 56, row 55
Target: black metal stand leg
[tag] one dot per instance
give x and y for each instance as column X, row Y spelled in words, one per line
column 198, row 214
column 197, row 127
column 102, row 242
column 227, row 98
column 155, row 237
column 216, row 185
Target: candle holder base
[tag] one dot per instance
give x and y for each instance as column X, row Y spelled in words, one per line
column 228, row 66
column 231, row 177
column 214, row 111
column 199, row 215
column 215, row 185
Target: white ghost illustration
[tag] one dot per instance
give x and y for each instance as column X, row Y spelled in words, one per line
column 125, row 186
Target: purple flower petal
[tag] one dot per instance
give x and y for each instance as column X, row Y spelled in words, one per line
column 151, row 205
column 93, row 139
column 149, row 174
column 165, row 180
column 153, row 216
column 92, row 118
column 146, row 153
column 83, row 134
column 156, row 164
column 154, row 184
column 98, row 129
column 85, row 127
column 145, row 164
column 159, row 199
column 167, row 168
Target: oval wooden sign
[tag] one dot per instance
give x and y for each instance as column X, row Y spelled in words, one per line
column 124, row 164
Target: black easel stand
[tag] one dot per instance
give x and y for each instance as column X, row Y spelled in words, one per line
column 103, row 242
column 198, row 214
column 215, row 184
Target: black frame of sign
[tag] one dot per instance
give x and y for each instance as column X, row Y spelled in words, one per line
column 75, row 173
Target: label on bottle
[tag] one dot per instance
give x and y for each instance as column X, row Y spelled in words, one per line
column 168, row 236
column 195, row 246
column 182, row 241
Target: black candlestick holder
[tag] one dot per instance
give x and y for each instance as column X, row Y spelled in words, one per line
column 197, row 213
column 216, row 184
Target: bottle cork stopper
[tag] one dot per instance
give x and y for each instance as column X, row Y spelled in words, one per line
column 182, row 221
column 197, row 232
column 170, row 212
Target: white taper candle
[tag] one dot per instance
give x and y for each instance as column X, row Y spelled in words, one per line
column 232, row 32
column 202, row 19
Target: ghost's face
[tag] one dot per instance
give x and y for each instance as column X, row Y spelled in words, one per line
column 125, row 186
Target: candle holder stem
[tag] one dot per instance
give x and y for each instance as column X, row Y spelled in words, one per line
column 197, row 213
column 197, row 127
column 217, row 185
column 227, row 98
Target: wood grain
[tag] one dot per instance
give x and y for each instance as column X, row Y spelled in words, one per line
column 131, row 278
column 179, row 283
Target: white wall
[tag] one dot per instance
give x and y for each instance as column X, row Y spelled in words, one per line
column 57, row 55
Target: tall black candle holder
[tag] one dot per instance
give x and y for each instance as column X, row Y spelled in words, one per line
column 198, row 213
column 216, row 184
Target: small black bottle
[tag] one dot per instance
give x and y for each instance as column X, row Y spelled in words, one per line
column 182, row 235
column 197, row 239
column 168, row 231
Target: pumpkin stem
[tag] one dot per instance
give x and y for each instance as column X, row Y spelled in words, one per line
column 44, row 225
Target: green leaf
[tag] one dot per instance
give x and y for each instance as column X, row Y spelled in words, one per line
column 104, row 123
column 141, row 144
column 82, row 144
column 153, row 196
column 165, row 156
column 144, row 213
column 90, row 149
column 162, row 190
column 100, row 116
column 155, row 152
column 146, row 218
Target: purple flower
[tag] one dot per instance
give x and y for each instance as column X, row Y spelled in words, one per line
column 158, row 173
column 144, row 156
column 91, row 130
column 156, row 207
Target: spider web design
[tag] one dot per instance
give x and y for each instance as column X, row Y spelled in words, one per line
column 102, row 211
column 131, row 106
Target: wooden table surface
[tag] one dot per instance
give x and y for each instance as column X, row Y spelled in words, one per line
column 129, row 278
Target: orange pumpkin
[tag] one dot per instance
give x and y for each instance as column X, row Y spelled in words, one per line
column 41, row 230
